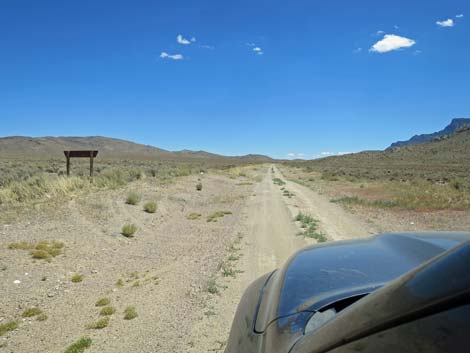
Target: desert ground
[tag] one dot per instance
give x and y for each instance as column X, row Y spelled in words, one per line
column 180, row 275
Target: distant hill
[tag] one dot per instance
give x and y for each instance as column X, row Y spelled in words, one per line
column 444, row 157
column 22, row 147
column 417, row 139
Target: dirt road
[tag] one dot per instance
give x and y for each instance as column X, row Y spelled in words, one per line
column 185, row 277
column 269, row 240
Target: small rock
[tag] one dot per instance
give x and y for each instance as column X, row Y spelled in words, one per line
column 16, row 281
column 50, row 295
column 94, row 271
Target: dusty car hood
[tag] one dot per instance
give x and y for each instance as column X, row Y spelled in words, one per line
column 321, row 274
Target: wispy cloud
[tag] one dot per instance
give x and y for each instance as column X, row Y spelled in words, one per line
column 206, row 46
column 380, row 33
column 181, row 40
column 392, row 42
column 255, row 48
column 164, row 55
column 324, row 154
column 357, row 50
column 459, row 15
column 294, row 155
column 447, row 23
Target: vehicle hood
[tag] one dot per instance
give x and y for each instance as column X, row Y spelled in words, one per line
column 322, row 274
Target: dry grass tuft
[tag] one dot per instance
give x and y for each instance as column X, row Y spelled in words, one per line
column 76, row 278
column 102, row 302
column 130, row 313
column 30, row 312
column 216, row 215
column 42, row 250
column 150, row 207
column 128, row 230
column 107, row 310
column 79, row 346
column 98, row 325
column 133, row 198
column 7, row 327
column 193, row 216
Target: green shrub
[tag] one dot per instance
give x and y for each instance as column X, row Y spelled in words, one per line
column 100, row 324
column 107, row 310
column 212, row 286
column 128, row 230
column 193, row 216
column 7, row 327
column 133, row 198
column 79, row 346
column 41, row 317
column 102, row 302
column 41, row 255
column 30, row 312
column 150, row 207
column 77, row 278
column 22, row 245
column 130, row 313
column 216, row 215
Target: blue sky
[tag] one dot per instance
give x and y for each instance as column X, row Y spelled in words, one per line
column 271, row 77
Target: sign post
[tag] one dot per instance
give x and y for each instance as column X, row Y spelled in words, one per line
column 80, row 154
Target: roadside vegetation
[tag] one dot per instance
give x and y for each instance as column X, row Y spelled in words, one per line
column 309, row 227
column 427, row 177
column 43, row 250
column 214, row 217
column 150, row 207
column 7, row 327
column 128, row 230
column 79, row 346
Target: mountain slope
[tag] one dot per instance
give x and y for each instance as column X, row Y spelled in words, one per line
column 109, row 148
column 447, row 156
column 417, row 139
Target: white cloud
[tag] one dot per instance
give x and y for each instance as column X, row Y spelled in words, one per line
column 417, row 52
column 391, row 42
column 326, row 153
column 251, row 44
column 447, row 23
column 258, row 50
column 181, row 40
column 459, row 15
column 164, row 55
column 294, row 155
column 380, row 33
column 341, row 153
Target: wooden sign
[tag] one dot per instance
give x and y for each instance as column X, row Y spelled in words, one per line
column 80, row 154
